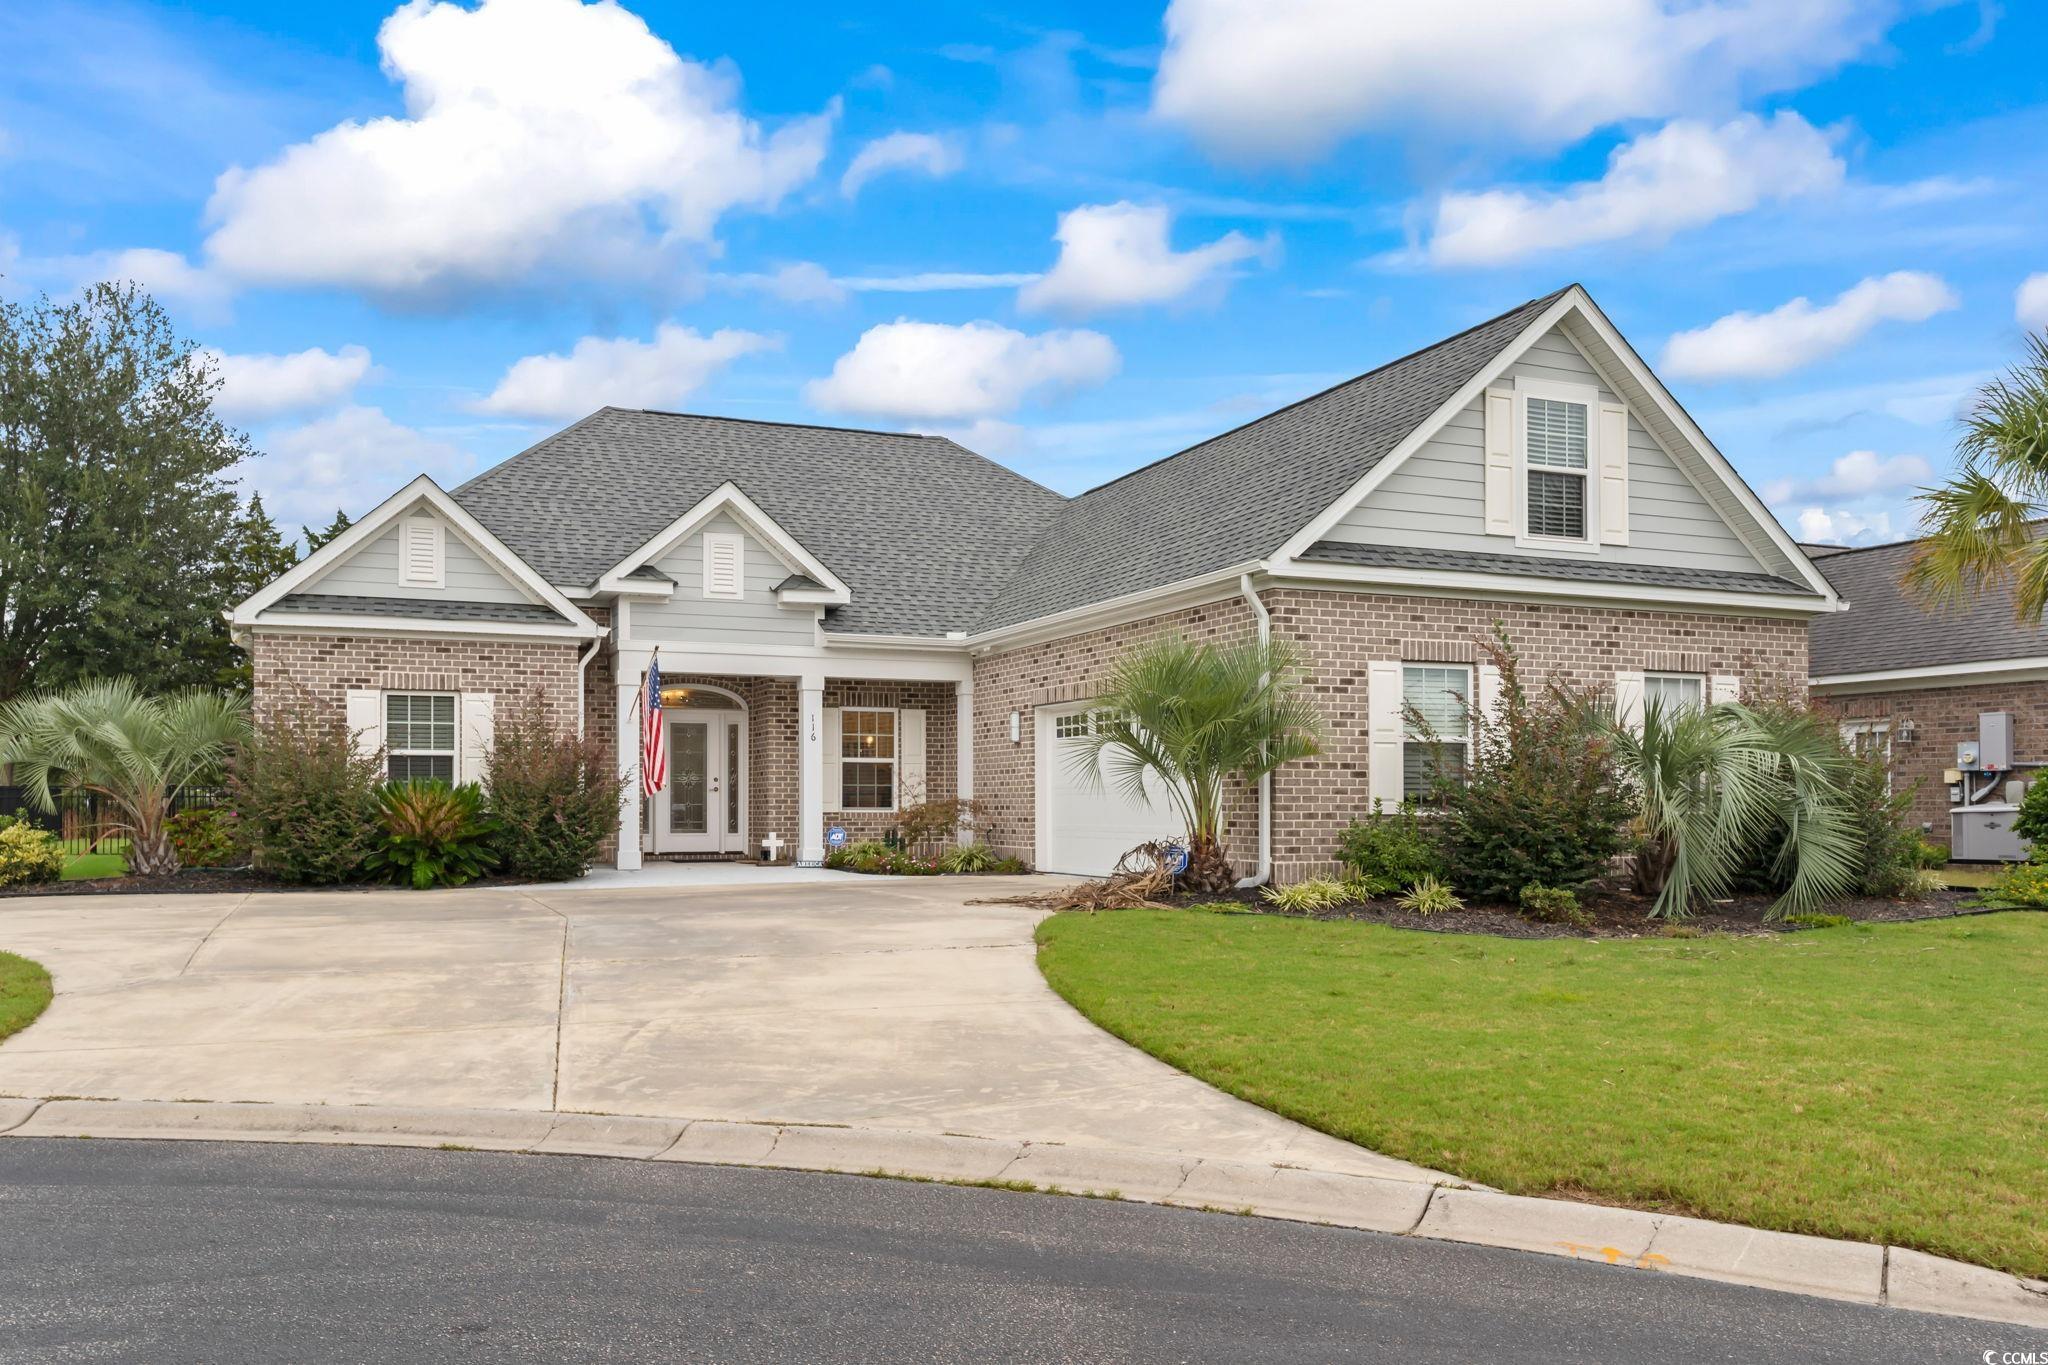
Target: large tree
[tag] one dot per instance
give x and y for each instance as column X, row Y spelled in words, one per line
column 1981, row 524
column 122, row 538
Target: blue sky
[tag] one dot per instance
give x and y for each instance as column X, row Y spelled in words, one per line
column 1075, row 237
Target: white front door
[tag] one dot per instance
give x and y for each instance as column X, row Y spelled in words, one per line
column 703, row 808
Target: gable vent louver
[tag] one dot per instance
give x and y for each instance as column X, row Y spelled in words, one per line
column 419, row 553
column 722, row 565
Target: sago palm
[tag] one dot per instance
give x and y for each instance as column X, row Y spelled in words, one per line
column 1980, row 524
column 1721, row 785
column 1190, row 717
column 135, row 751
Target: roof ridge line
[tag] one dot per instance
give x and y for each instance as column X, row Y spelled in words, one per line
column 776, row 422
column 1320, row 393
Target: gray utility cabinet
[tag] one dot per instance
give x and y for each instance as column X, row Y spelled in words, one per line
column 1983, row 834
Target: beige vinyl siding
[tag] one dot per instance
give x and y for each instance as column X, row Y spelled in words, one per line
column 372, row 571
column 752, row 619
column 1437, row 498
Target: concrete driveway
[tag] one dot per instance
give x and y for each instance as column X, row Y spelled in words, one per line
column 870, row 1003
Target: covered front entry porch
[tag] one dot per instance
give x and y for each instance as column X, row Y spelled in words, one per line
column 761, row 764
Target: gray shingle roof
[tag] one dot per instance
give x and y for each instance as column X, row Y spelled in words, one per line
column 1239, row 496
column 1534, row 566
column 1885, row 628
column 422, row 608
column 920, row 529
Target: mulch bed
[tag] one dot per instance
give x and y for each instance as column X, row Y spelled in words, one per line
column 1614, row 915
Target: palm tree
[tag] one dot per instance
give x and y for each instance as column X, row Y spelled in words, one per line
column 1189, row 717
column 1718, row 785
column 136, row 751
column 1980, row 524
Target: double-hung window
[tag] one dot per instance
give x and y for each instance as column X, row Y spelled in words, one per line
column 419, row 735
column 1673, row 692
column 1559, row 480
column 1437, row 724
column 867, row 759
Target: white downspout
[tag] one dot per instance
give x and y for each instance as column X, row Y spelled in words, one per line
column 1264, row 871
column 582, row 677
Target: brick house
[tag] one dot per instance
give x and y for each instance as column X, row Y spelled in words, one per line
column 1908, row 683
column 847, row 621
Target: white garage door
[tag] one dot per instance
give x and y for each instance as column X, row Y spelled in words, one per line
column 1083, row 829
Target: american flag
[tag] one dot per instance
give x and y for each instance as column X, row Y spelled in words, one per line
column 653, row 753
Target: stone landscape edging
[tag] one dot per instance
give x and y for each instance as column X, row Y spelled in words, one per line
column 1856, row 1272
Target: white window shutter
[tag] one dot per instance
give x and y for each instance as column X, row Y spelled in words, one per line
column 1724, row 687
column 1487, row 703
column 835, row 792
column 477, row 713
column 1613, row 440
column 419, row 552
column 722, row 564
column 1628, row 699
column 911, row 783
column 1384, row 732
column 1500, row 463
column 366, row 721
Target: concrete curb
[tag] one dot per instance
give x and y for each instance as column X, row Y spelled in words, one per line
column 1857, row 1272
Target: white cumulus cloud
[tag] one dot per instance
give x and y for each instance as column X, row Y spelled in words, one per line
column 1839, row 526
column 926, row 152
column 348, row 460
column 1859, row 474
column 2030, row 304
column 1757, row 345
column 1683, row 175
column 1121, row 256
column 536, row 131
column 937, row 372
column 1288, row 79
column 165, row 275
column 256, row 386
column 620, row 372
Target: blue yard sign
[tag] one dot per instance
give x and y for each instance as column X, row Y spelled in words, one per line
column 835, row 837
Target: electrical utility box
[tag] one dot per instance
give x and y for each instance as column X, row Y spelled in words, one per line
column 1994, row 741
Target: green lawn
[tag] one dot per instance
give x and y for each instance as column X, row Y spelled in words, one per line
column 1886, row 1083
column 79, row 867
column 24, row 991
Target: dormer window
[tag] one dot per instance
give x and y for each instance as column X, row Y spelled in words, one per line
column 420, row 553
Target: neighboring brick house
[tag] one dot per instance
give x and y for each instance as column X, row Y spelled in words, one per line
column 847, row 621
column 1908, row 682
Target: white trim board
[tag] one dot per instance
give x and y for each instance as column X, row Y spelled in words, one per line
column 421, row 490
column 728, row 498
column 1933, row 675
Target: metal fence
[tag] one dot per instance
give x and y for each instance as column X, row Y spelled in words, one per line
column 88, row 822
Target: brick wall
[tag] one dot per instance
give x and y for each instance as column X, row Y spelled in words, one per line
column 1338, row 633
column 1943, row 717
column 329, row 666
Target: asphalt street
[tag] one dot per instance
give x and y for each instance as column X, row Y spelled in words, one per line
column 168, row 1251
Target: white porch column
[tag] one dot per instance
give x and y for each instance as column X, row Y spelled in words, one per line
column 963, row 742
column 810, row 768
column 630, row 702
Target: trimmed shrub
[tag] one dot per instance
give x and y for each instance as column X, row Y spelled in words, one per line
column 208, row 837
column 2031, row 821
column 553, row 795
column 307, row 799
column 29, row 856
column 975, row 859
column 1542, row 804
column 1393, row 848
column 1553, row 905
column 433, row 834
